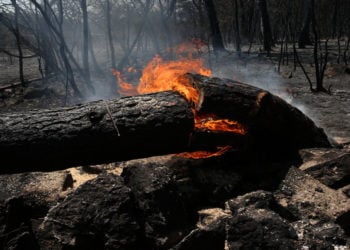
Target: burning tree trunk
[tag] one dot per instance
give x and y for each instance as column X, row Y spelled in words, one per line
column 47, row 139
column 274, row 127
column 225, row 114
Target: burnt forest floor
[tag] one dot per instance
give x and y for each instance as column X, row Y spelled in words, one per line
column 331, row 112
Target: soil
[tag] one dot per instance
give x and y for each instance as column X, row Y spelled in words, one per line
column 329, row 111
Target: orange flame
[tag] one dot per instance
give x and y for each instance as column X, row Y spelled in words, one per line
column 124, row 88
column 204, row 154
column 160, row 75
column 210, row 122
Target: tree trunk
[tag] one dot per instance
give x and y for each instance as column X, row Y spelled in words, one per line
column 109, row 34
column 237, row 30
column 86, row 41
column 274, row 127
column 155, row 124
column 218, row 43
column 62, row 49
column 265, row 19
column 148, row 125
column 304, row 37
column 18, row 42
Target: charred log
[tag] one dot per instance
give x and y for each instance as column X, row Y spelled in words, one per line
column 151, row 124
column 272, row 124
column 155, row 124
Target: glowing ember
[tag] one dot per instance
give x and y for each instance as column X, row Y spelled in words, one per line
column 204, row 154
column 212, row 123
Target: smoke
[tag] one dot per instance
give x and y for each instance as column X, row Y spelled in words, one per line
column 262, row 73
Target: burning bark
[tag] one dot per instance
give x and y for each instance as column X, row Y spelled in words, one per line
column 273, row 126
column 222, row 114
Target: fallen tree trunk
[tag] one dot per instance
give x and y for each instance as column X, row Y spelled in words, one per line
column 275, row 128
column 151, row 124
column 155, row 124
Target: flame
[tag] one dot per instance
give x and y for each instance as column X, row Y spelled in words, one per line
column 160, row 75
column 212, row 123
column 124, row 88
column 204, row 154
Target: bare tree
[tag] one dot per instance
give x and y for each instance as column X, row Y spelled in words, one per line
column 237, row 30
column 86, row 39
column 216, row 35
column 304, row 37
column 16, row 32
column 265, row 19
column 109, row 33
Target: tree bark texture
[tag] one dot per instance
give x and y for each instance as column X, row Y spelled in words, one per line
column 151, row 124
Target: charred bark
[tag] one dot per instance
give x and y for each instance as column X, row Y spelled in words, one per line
column 275, row 128
column 156, row 124
column 85, row 134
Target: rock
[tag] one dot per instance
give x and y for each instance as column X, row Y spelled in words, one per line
column 323, row 213
column 100, row 214
column 166, row 217
column 329, row 166
column 307, row 198
column 210, row 233
column 255, row 226
column 16, row 226
column 319, row 235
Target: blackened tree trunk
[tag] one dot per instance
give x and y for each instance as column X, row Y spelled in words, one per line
column 217, row 40
column 304, row 37
column 86, row 42
column 320, row 57
column 62, row 49
column 109, row 33
column 265, row 19
column 96, row 132
column 237, row 30
column 16, row 32
column 335, row 18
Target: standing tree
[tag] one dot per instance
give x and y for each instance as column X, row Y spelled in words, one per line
column 218, row 44
column 109, row 33
column 265, row 19
column 85, row 52
column 16, row 32
column 304, row 37
column 237, row 31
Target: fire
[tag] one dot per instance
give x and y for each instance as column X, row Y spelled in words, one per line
column 160, row 75
column 125, row 88
column 204, row 154
column 212, row 123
